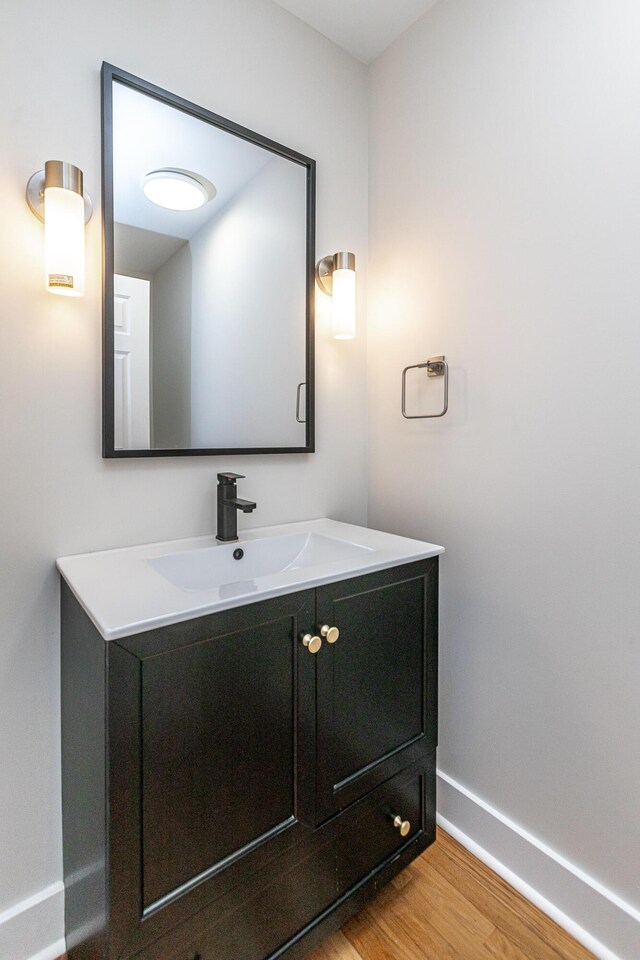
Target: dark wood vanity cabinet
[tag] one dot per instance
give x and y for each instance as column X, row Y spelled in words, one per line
column 229, row 795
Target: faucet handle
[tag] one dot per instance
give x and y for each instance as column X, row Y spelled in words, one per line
column 230, row 477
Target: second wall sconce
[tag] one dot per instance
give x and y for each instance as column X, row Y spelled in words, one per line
column 55, row 195
column 336, row 276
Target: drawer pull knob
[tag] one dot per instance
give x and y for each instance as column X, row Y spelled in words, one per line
column 402, row 825
column 330, row 634
column 312, row 643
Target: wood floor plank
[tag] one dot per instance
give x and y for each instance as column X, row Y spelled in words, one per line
column 447, row 905
column 440, row 894
column 335, row 947
column 526, row 927
column 470, row 881
column 448, row 915
column 394, row 932
column 500, row 947
column 411, row 921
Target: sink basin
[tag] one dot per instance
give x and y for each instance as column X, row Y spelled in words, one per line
column 133, row 589
column 211, row 567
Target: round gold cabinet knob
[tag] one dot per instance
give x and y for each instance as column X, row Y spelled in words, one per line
column 402, row 825
column 312, row 643
column 330, row 634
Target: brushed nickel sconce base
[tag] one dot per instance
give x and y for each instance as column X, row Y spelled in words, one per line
column 324, row 275
column 35, row 196
column 325, row 267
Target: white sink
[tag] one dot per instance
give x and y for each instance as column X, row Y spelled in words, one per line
column 210, row 567
column 134, row 589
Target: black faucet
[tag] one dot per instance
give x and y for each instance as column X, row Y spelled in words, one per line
column 228, row 506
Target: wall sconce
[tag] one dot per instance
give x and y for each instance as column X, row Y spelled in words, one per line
column 56, row 197
column 336, row 276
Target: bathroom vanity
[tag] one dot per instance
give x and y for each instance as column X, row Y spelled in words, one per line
column 248, row 726
column 248, row 742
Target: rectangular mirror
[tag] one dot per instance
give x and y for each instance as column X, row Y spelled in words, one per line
column 208, row 281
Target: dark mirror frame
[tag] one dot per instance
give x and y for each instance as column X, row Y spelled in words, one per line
column 109, row 75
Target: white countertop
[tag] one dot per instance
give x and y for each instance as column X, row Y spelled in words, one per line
column 133, row 589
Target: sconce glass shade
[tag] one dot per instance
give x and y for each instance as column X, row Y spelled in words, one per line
column 55, row 196
column 64, row 241
column 344, row 304
column 336, row 276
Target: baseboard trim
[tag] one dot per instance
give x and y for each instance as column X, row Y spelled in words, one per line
column 55, row 952
column 32, row 929
column 597, row 917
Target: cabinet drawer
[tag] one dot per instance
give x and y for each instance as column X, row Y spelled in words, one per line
column 254, row 920
column 380, row 826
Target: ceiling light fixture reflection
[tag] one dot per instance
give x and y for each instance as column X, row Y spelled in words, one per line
column 177, row 189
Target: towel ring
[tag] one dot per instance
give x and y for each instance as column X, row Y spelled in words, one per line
column 435, row 367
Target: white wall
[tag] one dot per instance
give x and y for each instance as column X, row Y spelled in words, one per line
column 247, row 60
column 505, row 233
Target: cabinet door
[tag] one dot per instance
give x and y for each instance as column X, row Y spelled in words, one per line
column 377, row 684
column 210, row 726
column 217, row 753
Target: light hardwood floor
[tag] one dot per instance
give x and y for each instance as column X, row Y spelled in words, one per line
column 447, row 905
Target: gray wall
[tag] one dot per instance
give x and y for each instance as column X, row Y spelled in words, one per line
column 171, row 294
column 505, row 233
column 247, row 60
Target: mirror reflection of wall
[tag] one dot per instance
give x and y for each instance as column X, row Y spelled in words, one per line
column 224, row 284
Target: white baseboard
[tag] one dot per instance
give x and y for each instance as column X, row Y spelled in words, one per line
column 33, row 929
column 599, row 919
